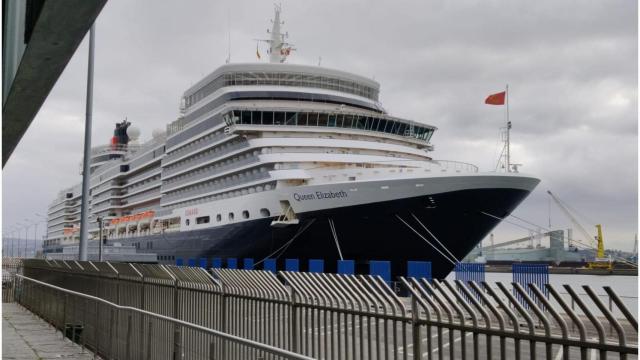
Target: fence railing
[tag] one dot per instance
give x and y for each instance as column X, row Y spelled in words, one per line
column 329, row 316
column 10, row 267
column 125, row 332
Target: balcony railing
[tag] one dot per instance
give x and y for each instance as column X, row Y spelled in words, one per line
column 208, row 172
column 203, row 158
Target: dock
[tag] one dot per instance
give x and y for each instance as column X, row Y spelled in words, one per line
column 26, row 336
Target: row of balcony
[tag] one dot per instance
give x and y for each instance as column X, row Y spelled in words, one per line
column 204, row 157
column 215, row 185
column 210, row 171
column 195, row 145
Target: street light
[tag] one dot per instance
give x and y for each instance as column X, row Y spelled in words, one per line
column 35, row 236
column 18, row 230
column 26, row 237
column 99, row 219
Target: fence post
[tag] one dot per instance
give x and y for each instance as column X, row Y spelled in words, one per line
column 95, row 330
column 417, row 339
column 128, row 348
column 177, row 338
column 223, row 309
column 294, row 321
column 111, row 324
column 149, row 337
column 64, row 316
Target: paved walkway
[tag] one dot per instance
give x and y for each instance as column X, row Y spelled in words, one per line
column 26, row 336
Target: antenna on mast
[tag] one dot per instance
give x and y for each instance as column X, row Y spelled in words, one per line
column 278, row 48
column 229, row 35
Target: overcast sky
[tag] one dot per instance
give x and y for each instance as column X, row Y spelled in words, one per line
column 571, row 67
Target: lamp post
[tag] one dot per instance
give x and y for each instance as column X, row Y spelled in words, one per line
column 13, row 240
column 35, row 237
column 99, row 219
column 26, row 237
column 18, row 230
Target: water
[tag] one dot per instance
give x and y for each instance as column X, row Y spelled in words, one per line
column 626, row 287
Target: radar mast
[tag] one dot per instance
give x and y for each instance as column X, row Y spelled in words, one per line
column 279, row 49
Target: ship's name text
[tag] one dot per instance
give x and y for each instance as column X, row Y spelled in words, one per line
column 320, row 195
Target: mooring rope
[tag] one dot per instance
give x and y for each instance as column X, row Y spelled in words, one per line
column 286, row 245
column 435, row 238
column 427, row 241
column 335, row 237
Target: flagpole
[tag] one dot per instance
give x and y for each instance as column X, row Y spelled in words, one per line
column 508, row 157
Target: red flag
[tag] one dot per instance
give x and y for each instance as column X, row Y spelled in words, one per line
column 495, row 99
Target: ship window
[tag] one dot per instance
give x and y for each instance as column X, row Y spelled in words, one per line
column 231, row 216
column 245, row 214
column 348, row 119
column 381, row 125
column 303, row 119
column 332, row 120
column 202, row 220
column 265, row 212
column 256, row 117
column 322, row 119
column 374, row 124
column 401, row 129
column 186, row 222
column 278, row 118
column 291, row 118
column 267, row 118
column 245, row 117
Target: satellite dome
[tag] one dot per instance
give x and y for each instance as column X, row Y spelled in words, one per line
column 133, row 133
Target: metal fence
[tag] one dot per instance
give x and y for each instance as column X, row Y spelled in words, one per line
column 10, row 267
column 328, row 316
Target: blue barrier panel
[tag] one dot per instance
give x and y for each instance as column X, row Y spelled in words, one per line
column 316, row 265
column 216, row 263
column 179, row 262
column 381, row 268
column 232, row 263
column 291, row 265
column 191, row 262
column 466, row 272
column 203, row 263
column 419, row 269
column 270, row 265
column 347, row 267
column 248, row 264
column 525, row 274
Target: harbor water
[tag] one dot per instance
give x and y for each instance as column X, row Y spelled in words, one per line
column 625, row 286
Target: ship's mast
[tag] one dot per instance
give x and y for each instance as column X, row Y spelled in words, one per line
column 278, row 48
column 275, row 52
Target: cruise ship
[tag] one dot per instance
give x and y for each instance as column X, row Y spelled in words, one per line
column 277, row 160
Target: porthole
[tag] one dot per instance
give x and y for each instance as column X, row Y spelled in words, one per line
column 231, row 216
column 218, row 218
column 186, row 222
column 245, row 214
column 265, row 212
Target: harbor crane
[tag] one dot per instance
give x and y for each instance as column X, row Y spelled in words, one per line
column 600, row 261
